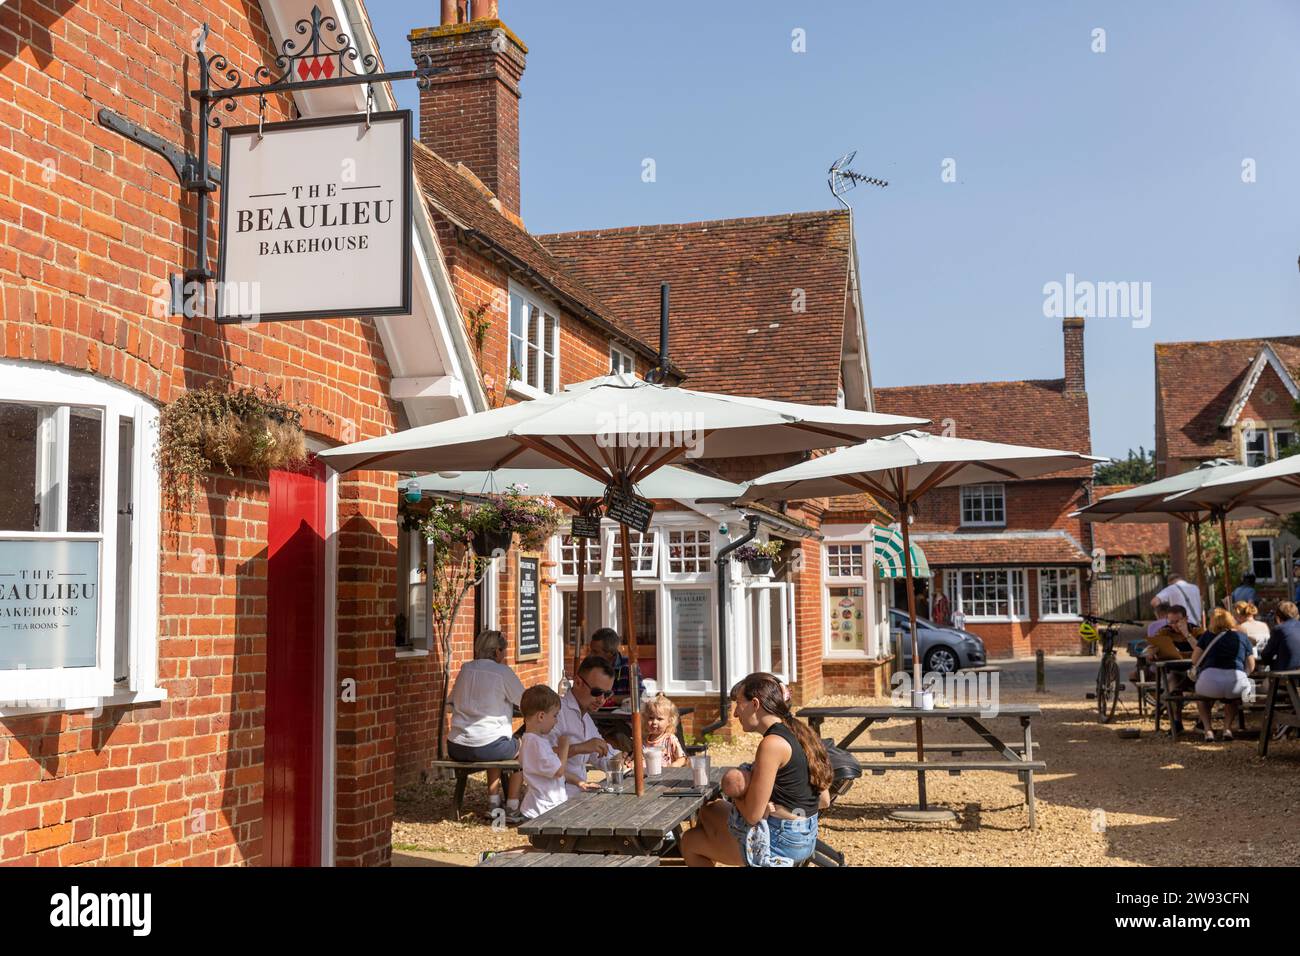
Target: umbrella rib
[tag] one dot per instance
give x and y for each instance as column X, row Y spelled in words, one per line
column 579, row 451
column 863, row 483
column 509, row 457
column 1004, row 472
column 556, row 454
column 671, row 455
column 830, row 432
column 940, row 475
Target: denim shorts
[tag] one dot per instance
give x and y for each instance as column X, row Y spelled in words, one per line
column 790, row 841
column 503, row 748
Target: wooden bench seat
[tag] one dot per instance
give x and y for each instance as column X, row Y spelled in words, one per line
column 464, row 768
column 902, row 747
column 532, row 858
column 954, row 767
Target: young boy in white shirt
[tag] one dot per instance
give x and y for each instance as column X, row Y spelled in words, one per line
column 542, row 756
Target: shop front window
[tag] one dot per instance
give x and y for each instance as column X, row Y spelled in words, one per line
column 848, row 619
column 78, row 540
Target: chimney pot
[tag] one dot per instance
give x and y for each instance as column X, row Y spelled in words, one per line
column 1072, row 332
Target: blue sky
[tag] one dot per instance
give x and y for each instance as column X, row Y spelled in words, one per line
column 1116, row 166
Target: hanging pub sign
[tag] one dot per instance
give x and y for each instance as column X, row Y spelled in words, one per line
column 629, row 509
column 316, row 219
column 529, row 644
column 585, row 526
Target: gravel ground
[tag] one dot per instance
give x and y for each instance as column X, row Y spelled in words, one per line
column 1103, row 801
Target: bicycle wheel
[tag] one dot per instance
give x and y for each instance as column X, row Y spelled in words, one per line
column 1107, row 688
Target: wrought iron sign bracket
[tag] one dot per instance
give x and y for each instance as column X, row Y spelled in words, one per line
column 317, row 54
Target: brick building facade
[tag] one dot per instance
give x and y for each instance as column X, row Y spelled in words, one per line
column 1009, row 554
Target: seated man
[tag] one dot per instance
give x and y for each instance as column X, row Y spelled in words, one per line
column 1173, row 642
column 605, row 643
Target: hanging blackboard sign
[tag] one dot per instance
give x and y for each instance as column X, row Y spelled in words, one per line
column 586, row 526
column 628, row 509
column 529, row 644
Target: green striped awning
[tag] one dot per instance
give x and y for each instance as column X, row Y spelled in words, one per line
column 889, row 555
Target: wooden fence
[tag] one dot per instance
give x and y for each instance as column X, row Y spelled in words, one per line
column 1125, row 595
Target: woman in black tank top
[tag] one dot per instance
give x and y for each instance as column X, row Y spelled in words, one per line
column 789, row 777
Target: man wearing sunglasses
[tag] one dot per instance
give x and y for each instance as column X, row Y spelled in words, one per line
column 593, row 686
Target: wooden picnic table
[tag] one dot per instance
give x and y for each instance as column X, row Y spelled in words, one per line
column 596, row 822
column 1014, row 758
column 1288, row 680
column 1165, row 699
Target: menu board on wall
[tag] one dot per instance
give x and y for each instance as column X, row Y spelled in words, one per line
column 848, row 625
column 529, row 644
column 691, row 634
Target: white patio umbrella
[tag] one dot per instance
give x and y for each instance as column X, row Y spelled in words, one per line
column 617, row 430
column 1187, row 497
column 581, row 495
column 902, row 468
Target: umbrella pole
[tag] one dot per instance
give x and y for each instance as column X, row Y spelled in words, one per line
column 638, row 758
column 581, row 623
column 916, row 656
column 1200, row 569
column 1223, row 538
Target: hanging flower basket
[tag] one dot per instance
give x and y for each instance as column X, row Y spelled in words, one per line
column 487, row 543
column 758, row 557
column 499, row 518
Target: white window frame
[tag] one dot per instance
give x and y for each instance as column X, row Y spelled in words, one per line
column 1072, row 573
column 532, row 339
column 621, row 360
column 613, row 547
column 1253, row 457
column 760, row 630
column 1272, row 557
column 567, row 554
column 689, row 576
column 1017, row 595
column 414, row 548
column 65, row 689
column 982, row 490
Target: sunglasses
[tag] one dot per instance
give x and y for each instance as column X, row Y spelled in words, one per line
column 596, row 691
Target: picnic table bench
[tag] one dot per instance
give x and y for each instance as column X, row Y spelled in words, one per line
column 1288, row 681
column 532, row 858
column 1171, row 702
column 463, row 770
column 623, row 823
column 1014, row 758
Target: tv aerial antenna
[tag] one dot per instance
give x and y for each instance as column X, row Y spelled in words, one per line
column 841, row 179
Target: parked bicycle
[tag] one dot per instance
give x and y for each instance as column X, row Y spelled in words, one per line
column 1108, row 681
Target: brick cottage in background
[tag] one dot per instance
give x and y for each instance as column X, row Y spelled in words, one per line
column 1008, row 554
column 1234, row 399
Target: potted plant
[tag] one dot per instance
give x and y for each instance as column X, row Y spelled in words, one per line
column 758, row 556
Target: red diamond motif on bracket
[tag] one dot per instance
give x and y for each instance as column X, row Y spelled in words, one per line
column 316, row 67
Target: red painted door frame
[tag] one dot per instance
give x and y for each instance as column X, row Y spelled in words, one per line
column 292, row 798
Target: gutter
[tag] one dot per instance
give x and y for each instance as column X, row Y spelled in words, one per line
column 724, row 567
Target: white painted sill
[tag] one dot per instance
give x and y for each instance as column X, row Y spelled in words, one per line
column 151, row 695
column 412, row 653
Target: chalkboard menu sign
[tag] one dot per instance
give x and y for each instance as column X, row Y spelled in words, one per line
column 628, row 509
column 529, row 645
column 586, row 526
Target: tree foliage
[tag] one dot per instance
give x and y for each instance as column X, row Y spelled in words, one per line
column 1137, row 469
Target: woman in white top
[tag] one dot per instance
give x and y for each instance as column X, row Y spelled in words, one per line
column 483, row 701
column 1257, row 631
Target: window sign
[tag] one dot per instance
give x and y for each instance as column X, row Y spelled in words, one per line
column 691, row 635
column 49, row 603
column 848, row 623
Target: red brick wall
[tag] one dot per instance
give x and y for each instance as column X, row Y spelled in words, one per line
column 1041, row 505
column 91, row 229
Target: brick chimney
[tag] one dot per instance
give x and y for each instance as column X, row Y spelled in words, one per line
column 470, row 114
column 1072, row 330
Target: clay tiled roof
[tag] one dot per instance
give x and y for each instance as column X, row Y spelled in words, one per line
column 954, row 549
column 455, row 194
column 1196, row 382
column 735, row 284
column 1037, row 413
column 1128, row 539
